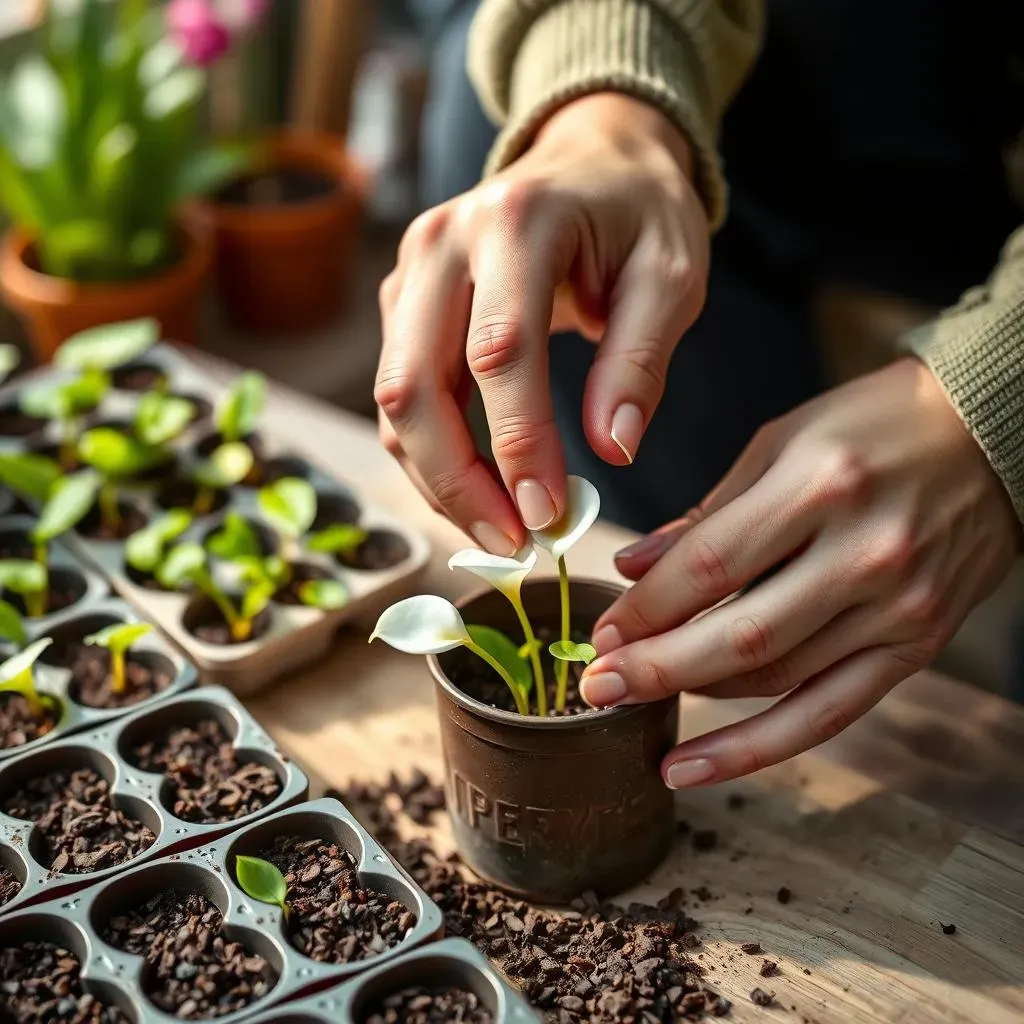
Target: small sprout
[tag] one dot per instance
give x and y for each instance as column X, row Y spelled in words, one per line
column 10, row 357
column 17, row 675
column 118, row 639
column 29, row 475
column 12, row 625
column 27, row 578
column 69, row 501
column 66, row 402
column 144, row 549
column 108, row 346
column 326, row 595
column 241, row 406
column 338, row 539
column 566, row 650
column 263, row 881
column 115, row 456
column 228, row 464
column 161, row 418
column 289, row 505
column 235, row 540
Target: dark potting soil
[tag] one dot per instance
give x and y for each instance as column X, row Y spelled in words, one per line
column 92, row 684
column 478, row 680
column 130, row 520
column 19, row 724
column 15, row 545
column 66, row 587
column 40, row 983
column 381, row 550
column 210, row 783
column 332, row 509
column 194, row 972
column 429, row 1006
column 283, row 185
column 209, row 626
column 334, row 918
column 138, row 377
column 289, row 593
column 178, row 493
column 285, row 465
column 9, row 886
column 596, row 963
column 15, row 423
column 82, row 829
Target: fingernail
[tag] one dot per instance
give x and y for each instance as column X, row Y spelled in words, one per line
column 491, row 539
column 689, row 773
column 536, row 506
column 628, row 428
column 607, row 638
column 603, row 690
column 652, row 544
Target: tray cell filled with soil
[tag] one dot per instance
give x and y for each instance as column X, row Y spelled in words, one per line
column 66, row 587
column 203, row 620
column 15, row 423
column 382, row 549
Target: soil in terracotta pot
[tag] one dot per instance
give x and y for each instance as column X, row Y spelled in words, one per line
column 40, row 982
column 131, row 518
column 193, row 972
column 211, row 782
column 179, row 493
column 205, row 622
column 478, row 680
column 334, row 918
column 66, row 587
column 92, row 684
column 82, row 829
column 15, row 423
column 429, row 1006
column 301, row 573
column 19, row 724
column 382, row 549
column 281, row 186
column 9, row 886
column 139, row 376
column 332, row 509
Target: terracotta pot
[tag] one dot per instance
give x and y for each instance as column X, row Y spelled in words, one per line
column 54, row 308
column 550, row 808
column 282, row 267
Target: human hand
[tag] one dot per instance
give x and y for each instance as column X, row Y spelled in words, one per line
column 596, row 228
column 891, row 526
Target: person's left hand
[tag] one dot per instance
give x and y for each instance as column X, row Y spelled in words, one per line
column 889, row 525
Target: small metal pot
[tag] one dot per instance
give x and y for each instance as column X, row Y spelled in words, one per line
column 550, row 808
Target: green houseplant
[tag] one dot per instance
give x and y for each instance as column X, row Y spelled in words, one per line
column 97, row 148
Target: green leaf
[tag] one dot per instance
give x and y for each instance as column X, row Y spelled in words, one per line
column 119, row 637
column 29, row 475
column 241, row 406
column 324, row 594
column 209, row 169
column 61, row 400
column 256, row 598
column 261, row 880
column 144, row 548
column 289, row 505
column 504, row 651
column 108, row 346
column 20, row 194
column 10, row 356
column 338, row 539
column 229, row 464
column 70, row 499
column 36, row 112
column 161, row 418
column 16, row 672
column 566, row 650
column 12, row 625
column 22, row 576
column 185, row 563
column 116, row 454
column 234, row 540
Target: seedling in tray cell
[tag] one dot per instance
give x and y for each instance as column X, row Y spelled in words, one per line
column 228, row 464
column 17, row 675
column 117, row 458
column 239, row 410
column 12, row 625
column 118, row 639
column 160, row 418
column 263, row 881
column 9, row 359
column 145, row 549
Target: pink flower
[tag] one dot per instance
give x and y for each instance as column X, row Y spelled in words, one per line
column 196, row 28
column 241, row 15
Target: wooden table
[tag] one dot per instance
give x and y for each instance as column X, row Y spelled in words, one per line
column 913, row 817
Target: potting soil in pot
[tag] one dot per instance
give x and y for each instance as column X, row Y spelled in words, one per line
column 210, row 783
column 9, row 886
column 82, row 828
column 92, row 683
column 19, row 724
column 427, row 1006
column 193, row 972
column 39, row 982
column 334, row 918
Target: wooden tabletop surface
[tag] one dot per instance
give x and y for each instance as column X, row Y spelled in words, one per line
column 912, row 818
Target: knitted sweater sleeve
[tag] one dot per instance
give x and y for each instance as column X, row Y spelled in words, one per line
column 688, row 57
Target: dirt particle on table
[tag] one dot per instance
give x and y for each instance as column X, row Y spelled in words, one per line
column 807, row 970
column 210, row 782
column 82, row 830
column 769, row 969
column 705, row 839
column 194, row 972
column 426, row 1006
column 948, row 929
column 19, row 724
column 751, row 948
column 761, row 998
column 784, row 895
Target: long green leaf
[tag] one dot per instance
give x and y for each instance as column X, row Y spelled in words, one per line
column 145, row 548
column 22, row 576
column 109, row 346
column 29, row 475
column 241, row 406
column 506, row 653
column 68, row 504
column 12, row 625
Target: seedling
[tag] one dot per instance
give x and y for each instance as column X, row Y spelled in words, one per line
column 12, row 625
column 10, row 357
column 432, row 625
column 118, row 639
column 108, row 346
column 240, row 408
column 186, row 564
column 289, row 506
column 116, row 457
column 263, row 881
column 17, row 675
column 144, row 550
column 229, row 464
column 66, row 402
column 160, row 418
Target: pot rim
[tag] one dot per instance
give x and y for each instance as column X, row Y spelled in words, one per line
column 569, row 723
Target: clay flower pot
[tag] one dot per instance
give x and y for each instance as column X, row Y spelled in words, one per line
column 550, row 808
column 284, row 235
column 54, row 308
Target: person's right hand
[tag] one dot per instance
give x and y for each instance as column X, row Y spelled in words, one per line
column 596, row 228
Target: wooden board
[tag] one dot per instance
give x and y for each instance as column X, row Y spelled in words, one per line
column 912, row 818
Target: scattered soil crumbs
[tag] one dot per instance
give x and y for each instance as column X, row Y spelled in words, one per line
column 761, row 998
column 704, row 840
column 39, row 982
column 769, row 969
column 335, row 919
column 82, row 829
column 596, row 963
column 425, row 1006
column 9, row 886
column 784, row 895
column 193, row 971
column 19, row 724
column 210, row 783
column 948, row 929
column 751, row 948
column 91, row 680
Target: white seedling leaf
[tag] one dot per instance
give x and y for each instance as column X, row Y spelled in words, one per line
column 422, row 625
column 582, row 510
column 14, row 667
column 9, row 359
column 504, row 574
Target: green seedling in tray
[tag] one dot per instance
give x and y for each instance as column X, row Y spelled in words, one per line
column 228, row 465
column 145, row 549
column 17, row 675
column 12, row 625
column 116, row 458
column 118, row 640
column 239, row 409
column 263, row 882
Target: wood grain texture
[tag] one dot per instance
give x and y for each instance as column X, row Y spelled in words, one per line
column 911, row 819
